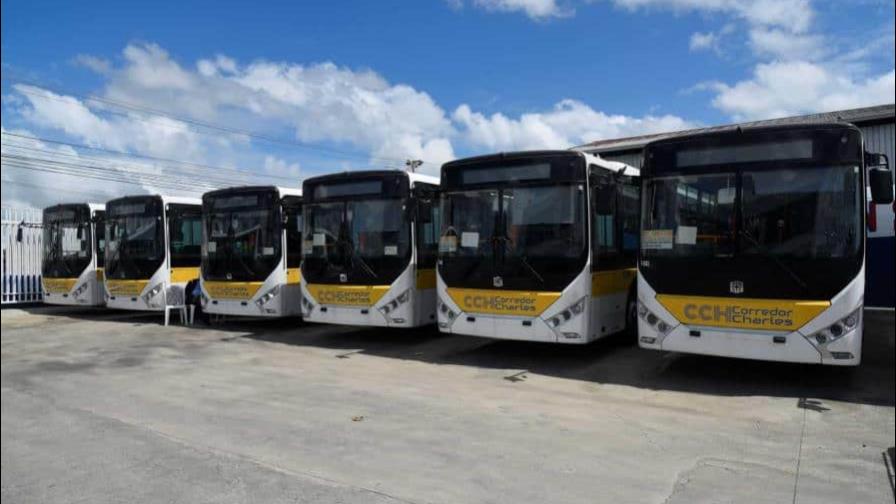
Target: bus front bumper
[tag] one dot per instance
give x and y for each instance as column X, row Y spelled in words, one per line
column 780, row 347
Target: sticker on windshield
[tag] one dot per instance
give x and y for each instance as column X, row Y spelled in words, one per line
column 390, row 250
column 657, row 239
column 469, row 239
column 319, row 239
column 267, row 251
column 686, row 235
column 448, row 243
column 212, row 246
column 306, row 247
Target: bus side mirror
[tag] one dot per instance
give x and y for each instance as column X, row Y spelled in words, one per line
column 80, row 231
column 881, row 182
column 19, row 234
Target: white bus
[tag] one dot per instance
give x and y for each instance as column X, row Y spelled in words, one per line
column 73, row 247
column 753, row 242
column 538, row 246
column 369, row 249
column 251, row 251
column 153, row 243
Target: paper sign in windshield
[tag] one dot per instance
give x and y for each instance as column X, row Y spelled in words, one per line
column 212, row 246
column 390, row 250
column 448, row 243
column 469, row 239
column 319, row 239
column 657, row 239
column 686, row 235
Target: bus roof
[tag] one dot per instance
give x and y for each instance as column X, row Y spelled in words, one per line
column 732, row 130
column 591, row 159
column 283, row 191
column 412, row 177
column 165, row 199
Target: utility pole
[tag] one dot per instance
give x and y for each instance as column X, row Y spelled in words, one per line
column 413, row 164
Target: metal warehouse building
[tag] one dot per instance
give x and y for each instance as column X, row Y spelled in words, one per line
column 878, row 125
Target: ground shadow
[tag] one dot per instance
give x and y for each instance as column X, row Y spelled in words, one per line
column 613, row 360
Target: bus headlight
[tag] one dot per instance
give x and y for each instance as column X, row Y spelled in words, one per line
column 397, row 301
column 307, row 306
column 838, row 329
column 447, row 313
column 569, row 313
column 266, row 297
column 655, row 321
column 151, row 294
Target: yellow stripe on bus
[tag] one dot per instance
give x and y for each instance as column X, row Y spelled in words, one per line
column 347, row 295
column 100, row 274
column 231, row 290
column 503, row 302
column 293, row 275
column 184, row 274
column 126, row 287
column 59, row 285
column 768, row 314
column 612, row 281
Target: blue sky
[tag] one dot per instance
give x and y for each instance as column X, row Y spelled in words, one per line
column 369, row 83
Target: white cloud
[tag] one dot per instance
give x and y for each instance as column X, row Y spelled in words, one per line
column 535, row 9
column 792, row 15
column 703, row 41
column 276, row 166
column 784, row 45
column 569, row 123
column 98, row 65
column 788, row 88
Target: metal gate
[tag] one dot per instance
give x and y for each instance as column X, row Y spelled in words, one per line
column 22, row 237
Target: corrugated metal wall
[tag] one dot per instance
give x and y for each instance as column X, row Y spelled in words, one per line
column 878, row 138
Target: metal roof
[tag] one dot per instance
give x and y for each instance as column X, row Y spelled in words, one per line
column 856, row 116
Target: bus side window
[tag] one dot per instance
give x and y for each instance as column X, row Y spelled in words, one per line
column 605, row 242
column 629, row 220
column 428, row 224
column 99, row 226
column 185, row 235
column 294, row 223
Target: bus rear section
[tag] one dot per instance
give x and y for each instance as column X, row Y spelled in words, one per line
column 251, row 251
column 153, row 247
column 753, row 244
column 72, row 263
column 537, row 246
column 369, row 249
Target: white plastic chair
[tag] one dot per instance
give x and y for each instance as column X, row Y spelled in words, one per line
column 176, row 300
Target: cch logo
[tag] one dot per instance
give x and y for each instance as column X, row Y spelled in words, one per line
column 497, row 281
column 736, row 287
column 343, row 277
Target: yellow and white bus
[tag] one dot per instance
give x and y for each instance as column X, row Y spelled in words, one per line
column 251, row 251
column 369, row 249
column 73, row 247
column 153, row 243
column 753, row 242
column 538, row 246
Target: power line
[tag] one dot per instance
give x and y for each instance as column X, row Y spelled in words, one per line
column 143, row 156
column 188, row 120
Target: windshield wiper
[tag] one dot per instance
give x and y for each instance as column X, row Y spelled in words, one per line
column 525, row 262
column 796, row 278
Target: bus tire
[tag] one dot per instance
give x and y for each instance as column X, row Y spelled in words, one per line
column 631, row 317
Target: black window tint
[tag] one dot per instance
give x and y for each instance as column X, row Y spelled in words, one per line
column 185, row 235
column 629, row 216
column 100, row 234
column 292, row 208
column 604, row 231
column 428, row 223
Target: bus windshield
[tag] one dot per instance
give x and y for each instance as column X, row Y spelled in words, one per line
column 800, row 213
column 135, row 243
column 785, row 228
column 359, row 240
column 66, row 241
column 243, row 236
column 515, row 237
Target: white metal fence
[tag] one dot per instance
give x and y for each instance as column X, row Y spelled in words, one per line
column 22, row 236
